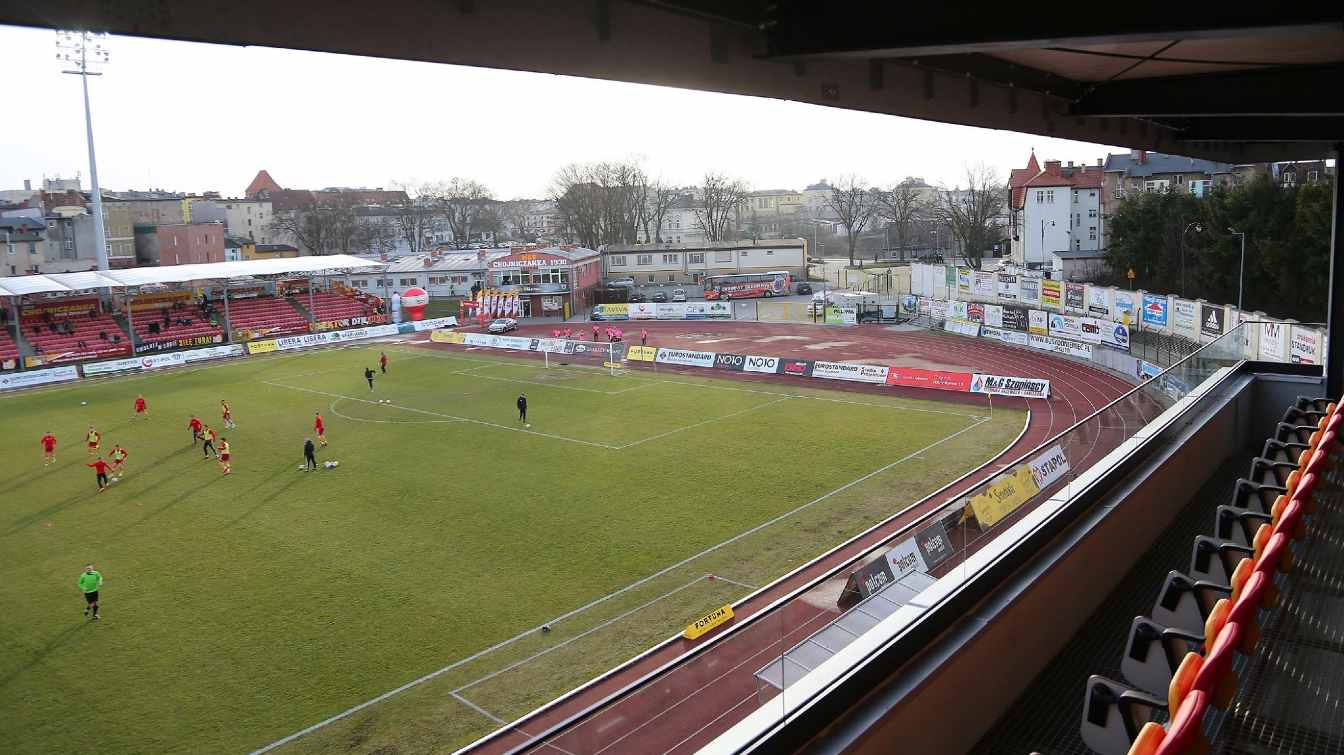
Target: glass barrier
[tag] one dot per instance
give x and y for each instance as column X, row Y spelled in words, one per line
column 754, row 668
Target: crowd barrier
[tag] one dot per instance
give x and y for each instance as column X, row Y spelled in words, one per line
column 33, row 378
column 1084, row 305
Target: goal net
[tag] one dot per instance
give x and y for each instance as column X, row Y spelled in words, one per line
column 596, row 354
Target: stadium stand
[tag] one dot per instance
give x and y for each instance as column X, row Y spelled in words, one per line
column 9, row 350
column 327, row 306
column 71, row 337
column 176, row 324
column 1238, row 652
column 266, row 315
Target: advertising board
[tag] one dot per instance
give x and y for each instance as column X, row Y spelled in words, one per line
column 852, row 371
column 685, row 357
column 1003, row 385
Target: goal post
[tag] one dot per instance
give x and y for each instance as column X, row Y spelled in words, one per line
column 601, row 354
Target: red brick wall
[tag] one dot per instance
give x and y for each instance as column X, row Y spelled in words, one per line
column 191, row 243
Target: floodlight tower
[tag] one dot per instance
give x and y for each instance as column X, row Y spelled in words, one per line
column 84, row 52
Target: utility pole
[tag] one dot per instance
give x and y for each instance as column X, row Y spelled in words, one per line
column 85, row 51
column 1241, row 271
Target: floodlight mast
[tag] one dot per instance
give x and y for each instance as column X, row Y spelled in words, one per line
column 85, row 52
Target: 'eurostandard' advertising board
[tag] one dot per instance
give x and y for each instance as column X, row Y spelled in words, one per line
column 30, row 378
column 684, row 357
column 853, row 371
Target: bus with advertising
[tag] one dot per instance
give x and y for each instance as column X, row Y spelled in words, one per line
column 748, row 285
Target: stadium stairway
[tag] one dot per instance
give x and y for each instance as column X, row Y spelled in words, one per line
column 1240, row 651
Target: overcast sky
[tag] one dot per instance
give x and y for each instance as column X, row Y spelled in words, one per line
column 193, row 117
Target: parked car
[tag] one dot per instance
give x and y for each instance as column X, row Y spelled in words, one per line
column 502, row 325
column 621, row 283
column 804, row 288
column 637, row 297
column 659, row 296
column 678, row 294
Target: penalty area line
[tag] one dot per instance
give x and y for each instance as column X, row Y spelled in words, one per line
column 609, row 596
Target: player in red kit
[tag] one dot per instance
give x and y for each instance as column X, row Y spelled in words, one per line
column 320, row 428
column 118, row 456
column 48, row 449
column 100, row 467
column 194, row 425
column 93, row 439
column 224, row 455
column 227, row 413
column 141, row 409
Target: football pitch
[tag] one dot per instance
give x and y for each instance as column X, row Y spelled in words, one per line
column 240, row 609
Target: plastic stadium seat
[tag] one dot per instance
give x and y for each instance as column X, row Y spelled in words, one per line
column 1185, row 735
column 1113, row 715
column 1237, row 525
column 1185, row 603
column 1154, row 652
column 1214, row 560
column 1213, row 673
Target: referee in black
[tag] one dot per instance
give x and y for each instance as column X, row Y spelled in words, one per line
column 309, row 460
column 522, row 408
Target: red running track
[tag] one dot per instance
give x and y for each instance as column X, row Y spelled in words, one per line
column 681, row 707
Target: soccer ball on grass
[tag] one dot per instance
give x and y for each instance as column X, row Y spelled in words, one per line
column 331, row 464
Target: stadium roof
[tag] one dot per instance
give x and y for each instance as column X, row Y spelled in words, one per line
column 23, row 285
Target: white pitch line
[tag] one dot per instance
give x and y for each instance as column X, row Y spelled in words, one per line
column 703, row 423
column 633, row 585
column 822, row 398
column 720, row 578
column 445, row 416
column 477, row 708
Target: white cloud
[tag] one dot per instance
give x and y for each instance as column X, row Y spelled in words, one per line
column 194, row 117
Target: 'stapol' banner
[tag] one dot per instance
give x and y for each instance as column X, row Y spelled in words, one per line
column 1001, row 385
column 1049, row 466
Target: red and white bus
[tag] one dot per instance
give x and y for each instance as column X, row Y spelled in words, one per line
column 748, row 285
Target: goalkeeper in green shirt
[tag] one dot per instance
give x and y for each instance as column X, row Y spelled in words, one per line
column 89, row 582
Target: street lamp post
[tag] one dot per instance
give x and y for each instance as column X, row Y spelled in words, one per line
column 1241, row 269
column 1198, row 228
column 1043, row 224
column 84, row 51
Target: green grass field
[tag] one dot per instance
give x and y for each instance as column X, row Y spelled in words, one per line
column 239, row 609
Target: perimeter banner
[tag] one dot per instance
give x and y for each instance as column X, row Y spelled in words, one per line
column 28, row 378
column 1051, row 294
column 1049, row 467
column 768, row 365
column 684, row 357
column 939, row 380
column 1001, row 385
column 853, row 371
column 641, row 353
column 446, row 336
column 1003, row 496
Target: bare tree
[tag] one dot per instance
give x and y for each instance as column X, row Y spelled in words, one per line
column 854, row 203
column 902, row 206
column 326, row 227
column 601, row 203
column 716, row 212
column 513, row 215
column 376, row 234
column 974, row 213
column 416, row 219
column 461, row 202
column 660, row 199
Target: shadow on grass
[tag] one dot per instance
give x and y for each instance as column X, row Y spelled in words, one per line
column 52, row 645
column 272, row 496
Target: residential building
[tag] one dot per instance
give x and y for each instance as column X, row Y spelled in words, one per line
column 772, row 214
column 25, row 196
column 1017, row 197
column 179, row 243
column 1061, row 212
column 442, row 274
column 269, row 251
column 1301, row 172
column 23, row 242
column 119, row 228
column 544, row 221
column 817, row 201
column 152, row 207
column 248, row 218
column 693, row 262
column 554, row 281
column 262, row 182
column 237, row 248
column 1140, row 170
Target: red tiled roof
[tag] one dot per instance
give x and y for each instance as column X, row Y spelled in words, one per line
column 263, row 182
column 1018, row 178
column 1084, row 177
column 289, row 199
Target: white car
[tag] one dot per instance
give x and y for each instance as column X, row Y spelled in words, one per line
column 678, row 294
column 502, row 325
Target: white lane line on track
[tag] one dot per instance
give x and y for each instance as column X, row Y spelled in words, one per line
column 633, row 585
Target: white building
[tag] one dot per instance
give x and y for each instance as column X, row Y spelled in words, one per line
column 692, row 263
column 247, row 218
column 1061, row 212
column 442, row 274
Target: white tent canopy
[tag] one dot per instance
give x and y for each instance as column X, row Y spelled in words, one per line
column 23, row 285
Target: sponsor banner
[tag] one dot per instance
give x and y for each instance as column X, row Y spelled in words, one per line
column 161, row 300
column 958, row 310
column 975, row 312
column 565, row 346
column 853, row 371
column 993, row 316
column 950, row 276
column 1001, row 385
column 1097, row 301
column 1183, row 316
column 643, row 311
column 147, row 362
column 1148, row 370
column 768, row 365
column 1066, row 326
column 331, row 336
column 1001, row 497
column 984, row 284
column 14, row 380
column 349, row 322
column 419, row 326
column 714, row 310
column 1049, row 467
column 1008, row 286
column 447, row 336
column 796, row 367
column 734, row 362
column 670, row 311
column 490, row 340
column 641, row 353
column 1031, row 290
column 684, row 357
column 939, row 380
column 262, row 347
column 1155, row 310
column 1052, row 294
column 709, row 621
column 1302, row 348
column 904, row 558
column 909, row 304
column 179, row 343
column 1060, row 346
column 1038, row 322
column 1114, row 334
column 937, row 309
column 1073, row 296
column 1091, row 329
column 925, row 306
column 872, row 578
column 933, row 543
column 849, row 315
column 1271, row 341
column 1125, row 307
column 1007, row 336
column 1015, row 318
column 1211, row 320
column 963, row 327
column 60, row 306
column 964, row 280
column 611, row 312
column 213, row 352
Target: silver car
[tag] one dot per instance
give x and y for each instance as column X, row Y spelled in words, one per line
column 502, row 325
